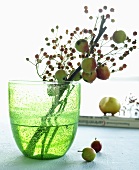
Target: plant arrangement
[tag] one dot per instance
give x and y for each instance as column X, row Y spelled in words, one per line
column 82, row 54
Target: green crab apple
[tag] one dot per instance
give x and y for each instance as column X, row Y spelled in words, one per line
column 89, row 77
column 103, row 72
column 88, row 65
column 119, row 36
column 109, row 105
column 82, row 45
column 88, row 154
column 96, row 145
column 77, row 77
column 60, row 75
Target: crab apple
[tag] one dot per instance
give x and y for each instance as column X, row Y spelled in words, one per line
column 89, row 77
column 77, row 77
column 103, row 72
column 60, row 75
column 82, row 45
column 109, row 105
column 96, row 145
column 119, row 36
column 88, row 65
column 88, row 154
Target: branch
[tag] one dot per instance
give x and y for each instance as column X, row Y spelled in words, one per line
column 101, row 31
column 93, row 44
column 74, row 73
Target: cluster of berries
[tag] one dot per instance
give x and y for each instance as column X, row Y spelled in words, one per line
column 82, row 56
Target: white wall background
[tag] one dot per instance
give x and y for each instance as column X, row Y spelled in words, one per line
column 25, row 23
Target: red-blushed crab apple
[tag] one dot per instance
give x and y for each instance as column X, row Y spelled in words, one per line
column 103, row 72
column 82, row 45
column 96, row 145
column 88, row 65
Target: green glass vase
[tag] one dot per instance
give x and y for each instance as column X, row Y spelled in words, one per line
column 44, row 117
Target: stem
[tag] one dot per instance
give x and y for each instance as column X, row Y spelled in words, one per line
column 101, row 31
column 38, row 70
column 43, row 142
column 51, row 139
column 42, row 129
column 74, row 73
column 32, row 143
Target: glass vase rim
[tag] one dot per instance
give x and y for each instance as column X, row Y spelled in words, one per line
column 40, row 82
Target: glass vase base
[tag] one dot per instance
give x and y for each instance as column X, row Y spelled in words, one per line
column 54, row 141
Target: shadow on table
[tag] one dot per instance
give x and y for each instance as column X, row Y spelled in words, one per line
column 24, row 163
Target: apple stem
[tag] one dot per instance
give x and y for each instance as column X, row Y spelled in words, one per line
column 80, row 151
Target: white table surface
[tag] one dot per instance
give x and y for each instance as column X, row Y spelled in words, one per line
column 120, row 151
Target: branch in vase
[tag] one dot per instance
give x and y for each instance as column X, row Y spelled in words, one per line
column 40, row 130
column 43, row 128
